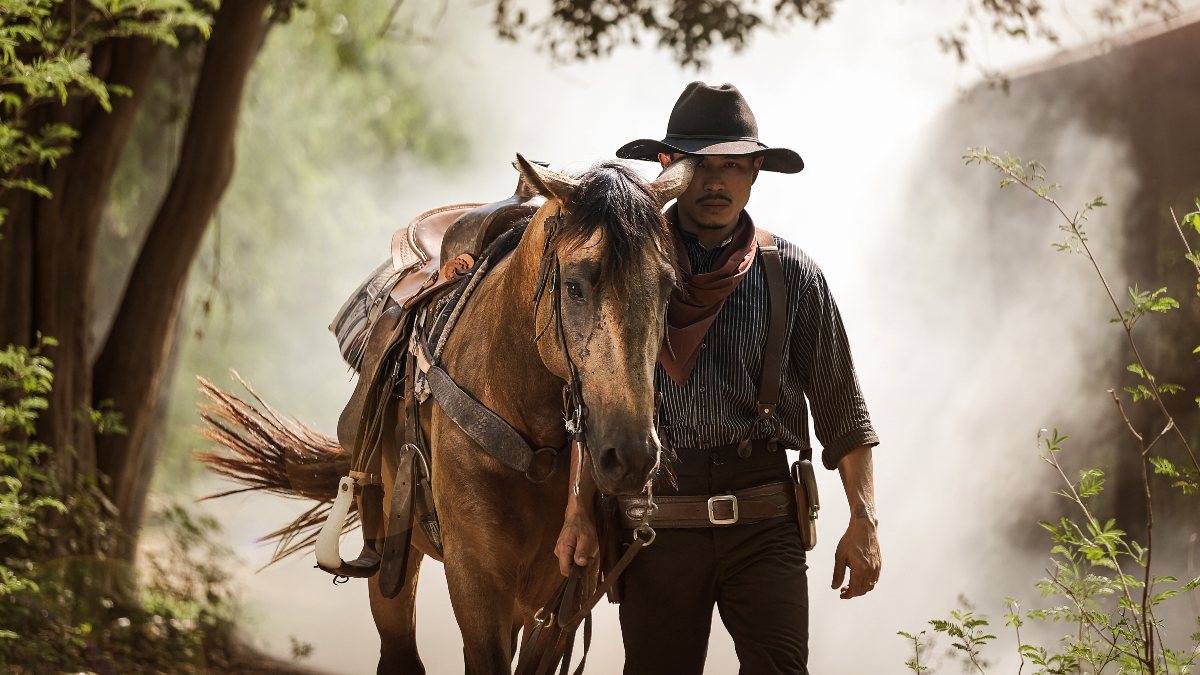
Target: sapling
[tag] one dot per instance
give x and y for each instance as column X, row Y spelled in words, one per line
column 1104, row 578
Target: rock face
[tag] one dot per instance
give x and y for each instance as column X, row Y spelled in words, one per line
column 1120, row 120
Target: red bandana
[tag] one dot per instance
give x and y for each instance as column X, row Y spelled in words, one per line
column 694, row 306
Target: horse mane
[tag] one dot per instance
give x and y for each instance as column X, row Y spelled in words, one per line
column 612, row 199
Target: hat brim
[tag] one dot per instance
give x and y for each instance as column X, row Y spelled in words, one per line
column 780, row 160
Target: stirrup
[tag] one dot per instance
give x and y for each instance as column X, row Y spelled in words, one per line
column 364, row 566
column 329, row 555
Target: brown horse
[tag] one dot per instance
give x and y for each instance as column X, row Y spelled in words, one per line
column 513, row 350
column 617, row 269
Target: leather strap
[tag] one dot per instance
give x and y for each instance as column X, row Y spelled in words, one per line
column 485, row 427
column 753, row 505
column 772, row 364
column 399, row 528
column 557, row 616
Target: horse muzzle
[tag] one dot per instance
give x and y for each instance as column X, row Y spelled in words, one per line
column 622, row 464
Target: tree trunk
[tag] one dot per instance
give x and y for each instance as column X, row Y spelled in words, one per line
column 47, row 281
column 130, row 368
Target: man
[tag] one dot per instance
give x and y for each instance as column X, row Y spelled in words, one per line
column 753, row 569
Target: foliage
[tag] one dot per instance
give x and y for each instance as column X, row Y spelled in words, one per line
column 1103, row 576
column 58, row 616
column 44, row 48
column 583, row 29
column 26, row 373
column 186, row 615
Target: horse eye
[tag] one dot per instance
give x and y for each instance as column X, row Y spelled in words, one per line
column 574, row 291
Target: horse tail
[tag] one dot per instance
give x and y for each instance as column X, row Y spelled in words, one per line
column 264, row 452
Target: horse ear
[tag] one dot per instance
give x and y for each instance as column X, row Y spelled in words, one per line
column 547, row 183
column 674, row 179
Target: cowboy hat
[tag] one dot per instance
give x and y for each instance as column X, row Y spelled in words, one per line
column 713, row 121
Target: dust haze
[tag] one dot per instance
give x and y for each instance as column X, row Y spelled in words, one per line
column 969, row 332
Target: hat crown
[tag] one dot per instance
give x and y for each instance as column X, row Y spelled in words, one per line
column 712, row 112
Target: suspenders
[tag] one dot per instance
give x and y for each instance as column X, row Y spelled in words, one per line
column 772, row 364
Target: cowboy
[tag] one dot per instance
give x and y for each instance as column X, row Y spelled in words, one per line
column 749, row 564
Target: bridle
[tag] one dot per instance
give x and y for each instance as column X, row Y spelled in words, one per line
column 549, row 275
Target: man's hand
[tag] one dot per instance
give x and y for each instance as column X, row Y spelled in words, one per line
column 577, row 542
column 859, row 547
column 858, row 550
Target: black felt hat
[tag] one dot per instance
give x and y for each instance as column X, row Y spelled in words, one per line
column 713, row 121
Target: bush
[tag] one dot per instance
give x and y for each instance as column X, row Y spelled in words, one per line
column 57, row 616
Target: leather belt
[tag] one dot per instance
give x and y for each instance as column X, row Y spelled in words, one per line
column 741, row 507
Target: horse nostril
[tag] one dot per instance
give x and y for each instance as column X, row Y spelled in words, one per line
column 610, row 461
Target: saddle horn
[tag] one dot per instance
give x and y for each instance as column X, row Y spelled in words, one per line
column 674, row 179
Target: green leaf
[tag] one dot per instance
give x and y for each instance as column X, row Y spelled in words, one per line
column 1192, row 220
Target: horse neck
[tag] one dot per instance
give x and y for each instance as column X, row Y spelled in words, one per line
column 500, row 361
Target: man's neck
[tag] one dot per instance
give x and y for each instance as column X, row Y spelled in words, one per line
column 709, row 237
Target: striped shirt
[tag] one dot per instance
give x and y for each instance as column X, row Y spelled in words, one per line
column 717, row 405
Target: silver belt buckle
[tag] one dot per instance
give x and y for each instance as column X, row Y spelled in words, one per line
column 722, row 521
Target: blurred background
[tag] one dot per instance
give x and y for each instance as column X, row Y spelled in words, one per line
column 970, row 332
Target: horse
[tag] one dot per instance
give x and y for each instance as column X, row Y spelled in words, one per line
column 512, row 349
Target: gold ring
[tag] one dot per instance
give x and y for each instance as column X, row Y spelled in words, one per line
column 872, row 583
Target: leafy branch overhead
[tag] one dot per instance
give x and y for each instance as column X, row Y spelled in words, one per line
column 690, row 29
column 44, row 46
column 582, row 29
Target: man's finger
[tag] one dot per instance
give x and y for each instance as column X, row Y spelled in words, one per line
column 839, row 571
column 859, row 582
column 565, row 553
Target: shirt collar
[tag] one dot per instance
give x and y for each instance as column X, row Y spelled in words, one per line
column 693, row 240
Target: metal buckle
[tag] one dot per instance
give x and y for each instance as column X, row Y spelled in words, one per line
column 722, row 521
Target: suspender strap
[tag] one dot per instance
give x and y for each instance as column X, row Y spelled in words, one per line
column 772, row 365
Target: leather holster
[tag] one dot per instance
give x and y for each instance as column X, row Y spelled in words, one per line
column 807, row 502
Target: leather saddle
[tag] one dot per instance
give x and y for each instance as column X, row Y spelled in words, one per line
column 446, row 240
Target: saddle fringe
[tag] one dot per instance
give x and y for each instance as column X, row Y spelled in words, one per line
column 265, row 453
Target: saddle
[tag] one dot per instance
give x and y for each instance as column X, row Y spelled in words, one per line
column 429, row 253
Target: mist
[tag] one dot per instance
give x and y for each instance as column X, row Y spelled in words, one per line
column 970, row 332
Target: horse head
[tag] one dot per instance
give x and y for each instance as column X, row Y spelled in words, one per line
column 606, row 275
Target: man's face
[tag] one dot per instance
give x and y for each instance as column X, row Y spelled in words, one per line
column 719, row 190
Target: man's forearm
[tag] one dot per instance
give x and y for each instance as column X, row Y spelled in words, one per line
column 859, row 481
column 583, row 497
column 858, row 549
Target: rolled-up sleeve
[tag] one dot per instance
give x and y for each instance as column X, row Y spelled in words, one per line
column 822, row 364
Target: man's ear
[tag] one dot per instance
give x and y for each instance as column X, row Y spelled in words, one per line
column 758, row 162
column 545, row 182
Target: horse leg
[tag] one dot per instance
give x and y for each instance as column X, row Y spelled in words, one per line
column 484, row 611
column 396, row 621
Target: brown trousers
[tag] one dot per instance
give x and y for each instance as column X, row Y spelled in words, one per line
column 754, row 574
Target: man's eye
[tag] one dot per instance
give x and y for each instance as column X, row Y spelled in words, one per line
column 574, row 291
